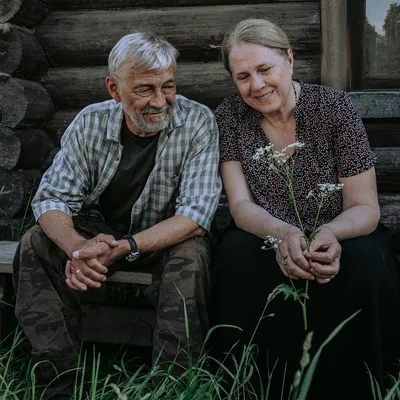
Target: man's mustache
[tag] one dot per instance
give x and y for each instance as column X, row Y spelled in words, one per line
column 152, row 110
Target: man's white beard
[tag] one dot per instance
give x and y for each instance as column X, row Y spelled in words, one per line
column 157, row 125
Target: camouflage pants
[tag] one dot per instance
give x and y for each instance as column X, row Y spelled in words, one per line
column 49, row 312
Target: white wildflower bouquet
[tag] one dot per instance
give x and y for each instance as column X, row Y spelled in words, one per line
column 278, row 162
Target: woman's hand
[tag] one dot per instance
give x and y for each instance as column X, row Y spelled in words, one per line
column 290, row 255
column 324, row 255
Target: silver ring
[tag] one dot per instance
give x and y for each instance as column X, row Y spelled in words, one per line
column 77, row 271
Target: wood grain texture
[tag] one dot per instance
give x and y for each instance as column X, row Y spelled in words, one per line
column 16, row 192
column 382, row 104
column 115, row 4
column 388, row 168
column 24, row 12
column 383, row 132
column 75, row 38
column 27, row 103
column 8, row 9
column 334, row 43
column 21, row 54
column 23, row 148
column 207, row 83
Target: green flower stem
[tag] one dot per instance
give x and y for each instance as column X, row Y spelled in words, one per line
column 303, row 307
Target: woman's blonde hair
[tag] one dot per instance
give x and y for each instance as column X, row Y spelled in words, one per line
column 258, row 31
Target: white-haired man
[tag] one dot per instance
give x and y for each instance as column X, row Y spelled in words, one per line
column 141, row 168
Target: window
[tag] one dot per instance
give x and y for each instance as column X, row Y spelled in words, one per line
column 375, row 44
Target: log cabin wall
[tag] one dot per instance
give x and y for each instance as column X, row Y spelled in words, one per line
column 24, row 106
column 78, row 35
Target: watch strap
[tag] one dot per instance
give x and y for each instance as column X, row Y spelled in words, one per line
column 131, row 242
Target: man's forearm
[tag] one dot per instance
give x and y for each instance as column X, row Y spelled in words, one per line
column 167, row 233
column 59, row 227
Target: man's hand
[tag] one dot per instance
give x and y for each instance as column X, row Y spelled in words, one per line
column 79, row 275
column 103, row 252
column 89, row 272
column 324, row 255
column 290, row 254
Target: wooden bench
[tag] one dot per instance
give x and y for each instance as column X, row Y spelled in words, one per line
column 101, row 323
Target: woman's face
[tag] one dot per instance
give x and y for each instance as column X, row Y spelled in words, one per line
column 263, row 76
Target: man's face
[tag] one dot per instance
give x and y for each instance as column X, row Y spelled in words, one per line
column 147, row 98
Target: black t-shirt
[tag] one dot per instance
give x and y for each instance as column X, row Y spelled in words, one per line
column 137, row 162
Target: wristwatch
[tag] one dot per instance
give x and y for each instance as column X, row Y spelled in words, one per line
column 134, row 253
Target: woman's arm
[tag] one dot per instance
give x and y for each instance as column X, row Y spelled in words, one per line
column 360, row 217
column 361, row 210
column 254, row 219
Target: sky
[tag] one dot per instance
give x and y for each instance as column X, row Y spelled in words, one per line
column 376, row 12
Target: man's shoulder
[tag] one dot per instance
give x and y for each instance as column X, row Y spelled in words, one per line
column 187, row 106
column 103, row 108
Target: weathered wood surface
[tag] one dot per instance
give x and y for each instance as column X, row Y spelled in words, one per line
column 24, row 12
column 383, row 132
column 118, row 325
column 56, row 125
column 110, row 4
column 388, row 168
column 334, row 43
column 377, row 104
column 15, row 193
column 74, row 38
column 21, row 54
column 207, row 83
column 23, row 148
column 26, row 103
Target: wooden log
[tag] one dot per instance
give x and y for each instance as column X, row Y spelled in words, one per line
column 206, row 83
column 74, row 38
column 16, row 147
column 390, row 216
column 24, row 12
column 13, row 228
column 21, row 54
column 15, row 193
column 49, row 159
column 377, row 104
column 383, row 132
column 56, row 125
column 388, row 168
column 110, row 4
column 4, row 78
column 27, row 103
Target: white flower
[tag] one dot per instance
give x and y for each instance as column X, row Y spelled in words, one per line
column 310, row 194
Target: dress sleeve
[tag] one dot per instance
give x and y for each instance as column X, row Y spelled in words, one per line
column 352, row 149
column 227, row 126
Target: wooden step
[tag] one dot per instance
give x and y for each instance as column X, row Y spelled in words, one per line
column 7, row 251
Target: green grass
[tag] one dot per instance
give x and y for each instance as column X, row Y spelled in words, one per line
column 122, row 377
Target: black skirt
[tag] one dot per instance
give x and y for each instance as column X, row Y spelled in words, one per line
column 368, row 280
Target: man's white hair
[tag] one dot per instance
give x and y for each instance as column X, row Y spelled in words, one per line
column 144, row 51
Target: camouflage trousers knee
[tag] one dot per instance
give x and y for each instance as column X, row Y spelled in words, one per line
column 50, row 314
column 47, row 310
column 182, row 312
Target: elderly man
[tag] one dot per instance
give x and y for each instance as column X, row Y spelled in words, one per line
column 141, row 168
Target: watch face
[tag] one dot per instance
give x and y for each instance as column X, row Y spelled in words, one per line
column 133, row 256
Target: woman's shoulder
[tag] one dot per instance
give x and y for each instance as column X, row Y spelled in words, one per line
column 232, row 105
column 325, row 95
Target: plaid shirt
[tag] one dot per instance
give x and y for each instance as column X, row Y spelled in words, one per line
column 184, row 180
